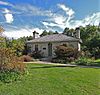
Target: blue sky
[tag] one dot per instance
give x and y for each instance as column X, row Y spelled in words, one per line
column 22, row 17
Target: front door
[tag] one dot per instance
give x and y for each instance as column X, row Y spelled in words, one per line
column 50, row 49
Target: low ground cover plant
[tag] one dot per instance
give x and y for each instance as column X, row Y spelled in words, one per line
column 87, row 62
column 84, row 61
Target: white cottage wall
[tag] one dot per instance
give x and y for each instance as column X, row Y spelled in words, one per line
column 44, row 47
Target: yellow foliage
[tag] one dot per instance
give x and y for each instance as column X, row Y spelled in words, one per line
column 9, row 61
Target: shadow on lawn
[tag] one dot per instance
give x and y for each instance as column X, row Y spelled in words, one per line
column 57, row 66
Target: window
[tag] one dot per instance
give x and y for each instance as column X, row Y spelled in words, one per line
column 36, row 47
column 44, row 48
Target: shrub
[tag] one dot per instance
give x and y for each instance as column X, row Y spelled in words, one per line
column 26, row 58
column 9, row 61
column 9, row 76
column 85, row 61
column 66, row 53
column 55, row 60
column 37, row 54
column 10, row 65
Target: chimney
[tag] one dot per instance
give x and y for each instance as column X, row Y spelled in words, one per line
column 35, row 34
column 77, row 35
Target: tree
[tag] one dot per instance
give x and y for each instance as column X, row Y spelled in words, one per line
column 66, row 31
column 18, row 46
column 94, row 46
column 50, row 32
column 56, row 32
column 44, row 33
column 2, row 39
column 28, row 38
column 87, row 33
column 90, row 36
column 69, row 32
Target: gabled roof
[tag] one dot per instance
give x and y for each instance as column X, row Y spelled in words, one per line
column 54, row 38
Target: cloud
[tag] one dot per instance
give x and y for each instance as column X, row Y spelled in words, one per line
column 68, row 10
column 93, row 19
column 8, row 16
column 62, row 21
column 5, row 3
column 21, row 32
column 29, row 10
column 53, row 20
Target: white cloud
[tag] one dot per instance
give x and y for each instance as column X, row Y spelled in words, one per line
column 5, row 3
column 59, row 20
column 28, row 9
column 62, row 21
column 68, row 10
column 8, row 16
column 21, row 32
column 93, row 19
column 53, row 19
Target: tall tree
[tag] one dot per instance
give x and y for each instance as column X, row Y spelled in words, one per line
column 87, row 33
column 94, row 46
column 69, row 32
column 66, row 31
column 56, row 32
column 44, row 33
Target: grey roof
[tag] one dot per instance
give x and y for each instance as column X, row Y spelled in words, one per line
column 54, row 38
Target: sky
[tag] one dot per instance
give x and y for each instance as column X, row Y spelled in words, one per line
column 21, row 17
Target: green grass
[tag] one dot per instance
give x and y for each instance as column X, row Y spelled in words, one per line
column 50, row 80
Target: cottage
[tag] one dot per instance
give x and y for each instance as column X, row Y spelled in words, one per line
column 48, row 43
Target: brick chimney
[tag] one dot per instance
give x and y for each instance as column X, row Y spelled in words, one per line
column 35, row 34
column 77, row 35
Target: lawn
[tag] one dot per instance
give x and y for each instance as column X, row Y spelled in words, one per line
column 51, row 80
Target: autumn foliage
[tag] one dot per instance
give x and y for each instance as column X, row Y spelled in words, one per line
column 8, row 60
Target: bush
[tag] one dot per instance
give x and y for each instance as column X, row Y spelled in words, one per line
column 9, row 76
column 10, row 65
column 26, row 58
column 62, row 61
column 66, row 53
column 85, row 61
column 36, row 54
column 55, row 60
column 9, row 61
